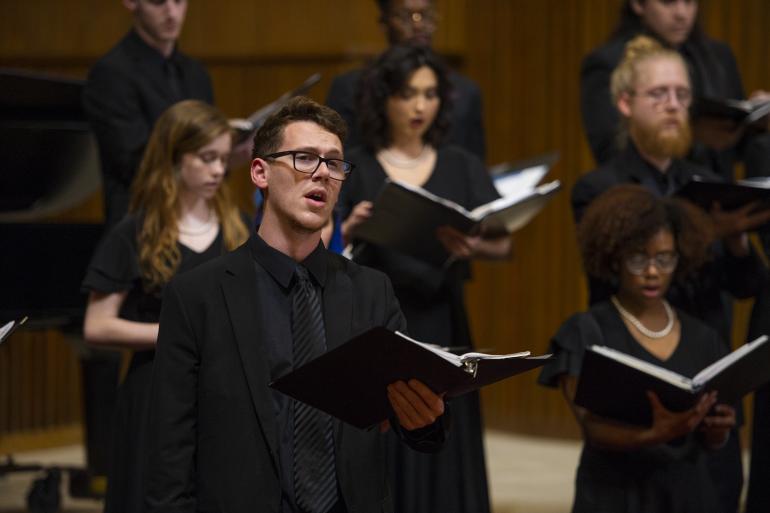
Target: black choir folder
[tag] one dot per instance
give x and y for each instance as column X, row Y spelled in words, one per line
column 743, row 112
column 405, row 218
column 613, row 384
column 704, row 192
column 350, row 382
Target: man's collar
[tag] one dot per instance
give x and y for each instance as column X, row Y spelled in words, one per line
column 281, row 266
column 147, row 51
column 637, row 165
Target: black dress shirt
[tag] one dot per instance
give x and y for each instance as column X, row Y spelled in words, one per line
column 125, row 93
column 274, row 288
column 274, row 291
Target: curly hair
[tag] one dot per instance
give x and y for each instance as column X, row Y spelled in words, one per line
column 624, row 218
column 388, row 76
column 185, row 127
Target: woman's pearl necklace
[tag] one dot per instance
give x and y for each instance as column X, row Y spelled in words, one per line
column 404, row 163
column 638, row 324
column 201, row 229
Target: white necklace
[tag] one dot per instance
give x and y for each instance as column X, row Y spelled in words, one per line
column 200, row 229
column 638, row 324
column 404, row 162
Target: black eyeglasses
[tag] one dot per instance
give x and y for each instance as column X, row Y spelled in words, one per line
column 307, row 162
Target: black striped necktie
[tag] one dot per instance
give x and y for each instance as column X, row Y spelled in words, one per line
column 315, row 476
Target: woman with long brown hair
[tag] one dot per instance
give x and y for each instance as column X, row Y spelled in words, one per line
column 181, row 214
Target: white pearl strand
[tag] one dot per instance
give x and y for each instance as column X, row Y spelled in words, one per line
column 404, row 163
column 638, row 324
column 200, row 229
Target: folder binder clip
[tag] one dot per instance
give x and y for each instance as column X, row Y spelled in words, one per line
column 471, row 366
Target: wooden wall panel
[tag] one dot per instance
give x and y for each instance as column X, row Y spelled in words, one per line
column 525, row 56
column 528, row 69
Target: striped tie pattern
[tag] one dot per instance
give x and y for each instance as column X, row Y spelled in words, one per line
column 315, row 476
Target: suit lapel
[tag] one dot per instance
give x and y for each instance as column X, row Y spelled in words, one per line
column 242, row 300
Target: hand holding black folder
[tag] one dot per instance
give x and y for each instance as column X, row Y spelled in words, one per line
column 732, row 376
column 406, row 217
column 705, row 192
column 350, row 382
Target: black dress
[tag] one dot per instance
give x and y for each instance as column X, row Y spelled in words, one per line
column 115, row 268
column 668, row 478
column 431, row 298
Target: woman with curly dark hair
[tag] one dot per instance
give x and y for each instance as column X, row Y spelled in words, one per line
column 640, row 243
column 403, row 109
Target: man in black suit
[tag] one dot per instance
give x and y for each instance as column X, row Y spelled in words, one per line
column 652, row 93
column 413, row 22
column 129, row 88
column 221, row 439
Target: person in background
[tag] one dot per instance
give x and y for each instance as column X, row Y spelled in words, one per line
column 131, row 86
column 405, row 104
column 413, row 22
column 125, row 92
column 181, row 215
column 713, row 73
column 641, row 242
column 651, row 90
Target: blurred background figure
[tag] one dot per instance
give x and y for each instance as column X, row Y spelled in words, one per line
column 404, row 105
column 713, row 73
column 181, row 214
column 640, row 242
column 652, row 93
column 413, row 22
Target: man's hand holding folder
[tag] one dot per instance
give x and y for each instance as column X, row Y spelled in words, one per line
column 415, row 405
column 380, row 374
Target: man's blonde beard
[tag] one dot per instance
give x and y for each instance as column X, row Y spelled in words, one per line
column 662, row 143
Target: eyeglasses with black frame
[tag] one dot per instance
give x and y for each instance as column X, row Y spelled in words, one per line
column 308, row 162
column 665, row 262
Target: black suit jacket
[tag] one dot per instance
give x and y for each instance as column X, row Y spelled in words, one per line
column 126, row 91
column 213, row 440
column 701, row 295
column 467, row 128
column 713, row 71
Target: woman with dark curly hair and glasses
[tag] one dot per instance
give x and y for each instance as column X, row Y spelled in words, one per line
column 640, row 243
column 403, row 110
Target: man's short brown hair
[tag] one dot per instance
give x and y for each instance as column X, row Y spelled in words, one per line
column 270, row 135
